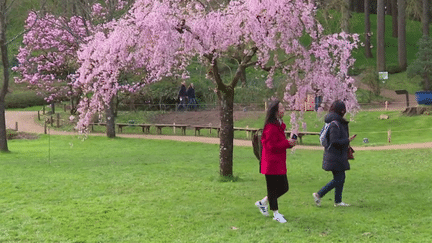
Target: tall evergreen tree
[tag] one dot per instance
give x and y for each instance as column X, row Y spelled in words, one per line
column 394, row 18
column 426, row 17
column 368, row 52
column 381, row 59
column 402, row 53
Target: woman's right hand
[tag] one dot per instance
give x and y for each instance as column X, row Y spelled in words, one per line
column 293, row 141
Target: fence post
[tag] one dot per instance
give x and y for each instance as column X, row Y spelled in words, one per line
column 38, row 115
column 65, row 108
column 52, row 120
column 247, row 132
column 16, row 126
column 174, row 127
column 386, row 105
column 45, row 127
column 58, row 119
column 43, row 108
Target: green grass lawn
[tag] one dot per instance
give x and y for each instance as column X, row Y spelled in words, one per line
column 62, row 189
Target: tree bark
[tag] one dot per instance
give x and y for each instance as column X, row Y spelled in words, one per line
column 345, row 15
column 394, row 18
column 426, row 17
column 381, row 59
column 359, row 6
column 226, row 147
column 368, row 51
column 402, row 53
column 4, row 90
column 110, row 119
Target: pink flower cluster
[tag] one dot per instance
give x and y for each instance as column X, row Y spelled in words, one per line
column 159, row 38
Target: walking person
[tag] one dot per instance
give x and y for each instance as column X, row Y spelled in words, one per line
column 192, row 103
column 273, row 160
column 335, row 157
column 182, row 96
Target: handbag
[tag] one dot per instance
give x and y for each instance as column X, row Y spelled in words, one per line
column 350, row 152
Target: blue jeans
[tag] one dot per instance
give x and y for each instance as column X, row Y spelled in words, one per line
column 337, row 183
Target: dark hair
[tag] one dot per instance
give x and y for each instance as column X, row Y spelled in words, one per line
column 338, row 107
column 271, row 112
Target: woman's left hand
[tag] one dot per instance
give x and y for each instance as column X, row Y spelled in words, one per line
column 293, row 141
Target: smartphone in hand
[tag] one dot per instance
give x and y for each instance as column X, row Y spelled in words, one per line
column 294, row 137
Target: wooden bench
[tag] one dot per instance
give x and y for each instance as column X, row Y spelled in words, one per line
column 251, row 130
column 160, row 126
column 301, row 134
column 198, row 129
column 145, row 127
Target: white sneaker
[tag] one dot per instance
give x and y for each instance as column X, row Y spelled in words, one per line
column 341, row 204
column 280, row 218
column 317, row 199
column 262, row 208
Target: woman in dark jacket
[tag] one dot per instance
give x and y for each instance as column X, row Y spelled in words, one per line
column 273, row 160
column 336, row 153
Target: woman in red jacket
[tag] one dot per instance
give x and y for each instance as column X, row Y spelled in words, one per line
column 273, row 160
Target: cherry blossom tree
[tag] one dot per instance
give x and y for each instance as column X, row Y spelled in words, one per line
column 160, row 38
column 48, row 58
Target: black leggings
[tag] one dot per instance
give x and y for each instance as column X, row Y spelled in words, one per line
column 277, row 185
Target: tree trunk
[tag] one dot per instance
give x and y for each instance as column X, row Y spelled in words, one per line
column 110, row 119
column 4, row 90
column 426, row 85
column 359, row 6
column 389, row 9
column 402, row 53
column 394, row 18
column 426, row 18
column 368, row 52
column 381, row 59
column 345, row 15
column 226, row 148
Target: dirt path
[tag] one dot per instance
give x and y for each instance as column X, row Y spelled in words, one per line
column 26, row 123
column 397, row 102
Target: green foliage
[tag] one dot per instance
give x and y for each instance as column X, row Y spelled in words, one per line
column 371, row 79
column 62, row 189
column 422, row 66
column 392, row 69
column 23, row 100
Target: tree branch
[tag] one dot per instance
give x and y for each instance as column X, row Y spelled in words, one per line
column 25, row 31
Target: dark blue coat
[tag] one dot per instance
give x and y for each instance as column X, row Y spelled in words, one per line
column 336, row 154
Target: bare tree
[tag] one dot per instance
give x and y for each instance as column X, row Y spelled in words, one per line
column 5, row 9
column 402, row 53
column 5, row 61
column 381, row 59
column 426, row 17
column 368, row 52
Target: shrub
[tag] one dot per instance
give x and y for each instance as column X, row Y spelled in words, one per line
column 23, row 100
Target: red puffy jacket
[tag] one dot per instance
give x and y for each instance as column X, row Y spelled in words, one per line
column 274, row 146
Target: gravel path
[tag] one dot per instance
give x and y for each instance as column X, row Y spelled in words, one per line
column 26, row 123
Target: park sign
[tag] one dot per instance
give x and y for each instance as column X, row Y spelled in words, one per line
column 383, row 76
